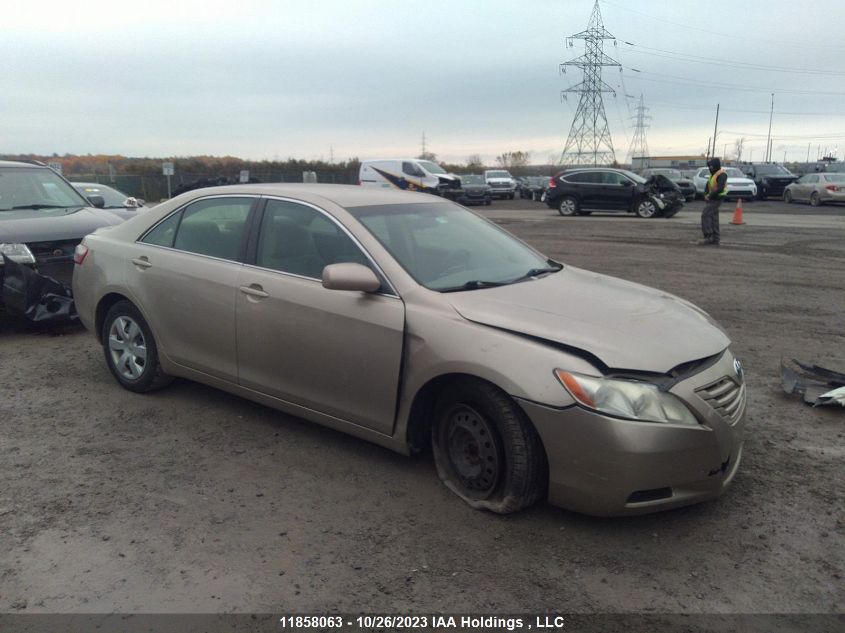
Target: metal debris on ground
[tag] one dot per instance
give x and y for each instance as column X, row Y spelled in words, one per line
column 817, row 385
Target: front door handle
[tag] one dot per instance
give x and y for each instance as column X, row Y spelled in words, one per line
column 254, row 290
column 142, row 262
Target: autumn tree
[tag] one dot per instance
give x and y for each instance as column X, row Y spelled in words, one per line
column 513, row 159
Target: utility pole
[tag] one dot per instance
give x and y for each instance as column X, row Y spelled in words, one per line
column 589, row 141
column 808, row 152
column 708, row 147
column 769, row 140
column 715, row 130
column 423, row 145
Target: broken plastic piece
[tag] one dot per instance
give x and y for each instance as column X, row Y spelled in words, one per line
column 813, row 383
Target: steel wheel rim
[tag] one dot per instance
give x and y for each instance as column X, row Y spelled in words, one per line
column 127, row 348
column 647, row 209
column 473, row 450
column 567, row 206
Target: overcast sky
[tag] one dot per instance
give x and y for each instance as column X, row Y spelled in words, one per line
column 277, row 79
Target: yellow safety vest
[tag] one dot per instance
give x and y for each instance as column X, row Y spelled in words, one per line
column 711, row 184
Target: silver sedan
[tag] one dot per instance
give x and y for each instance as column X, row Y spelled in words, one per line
column 409, row 321
column 816, row 189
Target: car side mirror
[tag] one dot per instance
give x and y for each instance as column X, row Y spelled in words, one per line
column 627, row 183
column 97, row 201
column 349, row 276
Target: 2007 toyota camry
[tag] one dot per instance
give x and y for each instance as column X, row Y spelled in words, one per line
column 405, row 319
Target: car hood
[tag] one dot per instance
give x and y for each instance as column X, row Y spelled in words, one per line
column 47, row 225
column 625, row 325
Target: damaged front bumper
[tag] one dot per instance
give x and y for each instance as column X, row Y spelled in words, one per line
column 34, row 297
column 606, row 466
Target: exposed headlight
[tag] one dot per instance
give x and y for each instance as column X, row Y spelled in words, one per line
column 19, row 253
column 628, row 399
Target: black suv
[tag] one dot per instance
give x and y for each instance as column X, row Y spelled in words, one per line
column 43, row 218
column 771, row 179
column 582, row 191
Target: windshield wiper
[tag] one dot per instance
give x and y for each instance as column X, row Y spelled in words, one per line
column 43, row 206
column 475, row 284
column 535, row 272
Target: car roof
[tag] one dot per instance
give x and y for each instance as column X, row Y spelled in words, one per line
column 17, row 163
column 342, row 195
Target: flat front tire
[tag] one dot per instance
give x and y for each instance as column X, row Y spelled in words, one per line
column 486, row 450
column 130, row 349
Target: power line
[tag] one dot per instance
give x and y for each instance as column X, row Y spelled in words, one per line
column 733, row 36
column 683, row 81
column 723, row 62
column 736, row 111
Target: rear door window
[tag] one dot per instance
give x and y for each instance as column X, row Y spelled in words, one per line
column 213, row 227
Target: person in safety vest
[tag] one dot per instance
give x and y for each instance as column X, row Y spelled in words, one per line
column 714, row 192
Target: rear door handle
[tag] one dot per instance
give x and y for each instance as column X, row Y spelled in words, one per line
column 254, row 290
column 142, row 262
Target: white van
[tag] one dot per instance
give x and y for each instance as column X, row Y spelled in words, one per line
column 412, row 174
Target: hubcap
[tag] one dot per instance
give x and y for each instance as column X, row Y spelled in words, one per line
column 473, row 451
column 567, row 206
column 647, row 209
column 127, row 347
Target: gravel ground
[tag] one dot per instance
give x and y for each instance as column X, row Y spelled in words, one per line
column 192, row 500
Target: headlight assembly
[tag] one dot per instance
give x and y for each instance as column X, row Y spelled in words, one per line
column 628, row 399
column 19, row 253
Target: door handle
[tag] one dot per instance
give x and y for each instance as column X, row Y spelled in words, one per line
column 142, row 262
column 254, row 290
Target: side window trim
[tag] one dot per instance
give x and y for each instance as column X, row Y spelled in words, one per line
column 248, row 227
column 254, row 235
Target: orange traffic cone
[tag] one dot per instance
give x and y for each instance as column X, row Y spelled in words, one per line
column 737, row 219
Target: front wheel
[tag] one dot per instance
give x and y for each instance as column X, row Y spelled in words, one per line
column 646, row 209
column 787, row 197
column 130, row 349
column 485, row 449
column 568, row 206
column 815, row 200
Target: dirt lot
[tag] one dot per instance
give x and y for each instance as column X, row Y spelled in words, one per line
column 194, row 500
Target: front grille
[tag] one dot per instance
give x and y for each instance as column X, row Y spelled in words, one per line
column 59, row 251
column 726, row 396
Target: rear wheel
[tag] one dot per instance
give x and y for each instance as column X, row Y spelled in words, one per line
column 485, row 448
column 130, row 349
column 568, row 206
column 815, row 200
column 646, row 209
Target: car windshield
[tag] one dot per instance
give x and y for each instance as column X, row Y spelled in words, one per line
column 772, row 170
column 432, row 168
column 472, row 180
column 113, row 198
column 498, row 174
column 446, row 247
column 733, row 172
column 36, row 188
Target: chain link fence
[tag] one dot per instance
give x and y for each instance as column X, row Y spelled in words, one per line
column 154, row 188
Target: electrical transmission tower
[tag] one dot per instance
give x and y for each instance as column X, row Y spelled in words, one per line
column 639, row 146
column 589, row 141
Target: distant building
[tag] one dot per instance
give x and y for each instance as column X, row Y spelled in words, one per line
column 678, row 162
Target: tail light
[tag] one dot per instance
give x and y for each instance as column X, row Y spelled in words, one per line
column 831, row 187
column 80, row 253
column 552, row 182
